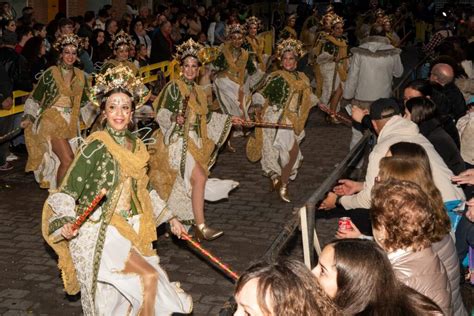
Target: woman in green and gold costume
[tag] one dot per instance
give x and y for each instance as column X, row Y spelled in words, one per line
column 331, row 63
column 110, row 258
column 233, row 64
column 285, row 98
column 51, row 116
column 120, row 45
column 187, row 144
column 289, row 30
column 254, row 44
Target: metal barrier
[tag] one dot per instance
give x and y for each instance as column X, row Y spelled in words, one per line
column 16, row 108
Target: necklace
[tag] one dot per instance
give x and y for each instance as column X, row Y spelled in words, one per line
column 64, row 67
column 118, row 136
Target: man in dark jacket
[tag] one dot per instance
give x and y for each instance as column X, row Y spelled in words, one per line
column 6, row 122
column 87, row 28
column 442, row 77
column 162, row 45
column 15, row 64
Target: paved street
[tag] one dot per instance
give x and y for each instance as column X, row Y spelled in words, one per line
column 251, row 218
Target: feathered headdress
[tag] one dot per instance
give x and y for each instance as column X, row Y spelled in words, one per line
column 290, row 45
column 118, row 77
column 253, row 20
column 66, row 40
column 234, row 28
column 119, row 39
column 188, row 48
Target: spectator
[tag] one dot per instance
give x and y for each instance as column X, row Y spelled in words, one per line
column 6, row 11
column 219, row 31
column 65, row 27
column 423, row 88
column 24, row 33
column 34, row 52
column 39, row 29
column 201, row 14
column 84, row 56
column 162, row 44
column 373, row 65
column 27, row 18
column 100, row 51
column 15, row 65
column 9, row 25
column 111, row 28
column 139, row 35
column 391, row 128
column 403, row 222
column 359, row 278
column 87, row 28
column 442, row 77
column 194, row 24
column 422, row 111
column 6, row 123
column 141, row 59
column 125, row 23
column 285, row 287
column 103, row 16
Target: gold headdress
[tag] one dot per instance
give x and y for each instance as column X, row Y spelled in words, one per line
column 386, row 19
column 188, row 48
column 329, row 17
column 379, row 12
column 337, row 19
column 234, row 28
column 253, row 20
column 66, row 40
column 330, row 9
column 119, row 77
column 290, row 45
column 292, row 16
column 119, row 39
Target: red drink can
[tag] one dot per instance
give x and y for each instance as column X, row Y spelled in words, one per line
column 345, row 223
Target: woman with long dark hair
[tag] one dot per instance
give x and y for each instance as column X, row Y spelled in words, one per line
column 110, row 258
column 34, row 52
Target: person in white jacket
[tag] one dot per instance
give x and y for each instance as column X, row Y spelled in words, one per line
column 391, row 128
column 373, row 66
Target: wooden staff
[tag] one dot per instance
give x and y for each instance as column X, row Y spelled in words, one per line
column 268, row 124
column 223, row 267
column 81, row 219
column 327, row 110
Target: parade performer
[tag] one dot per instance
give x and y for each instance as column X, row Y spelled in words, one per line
column 187, row 144
column 234, row 63
column 110, row 258
column 309, row 31
column 289, row 30
column 331, row 64
column 389, row 32
column 120, row 44
column 285, row 98
column 253, row 44
column 51, row 116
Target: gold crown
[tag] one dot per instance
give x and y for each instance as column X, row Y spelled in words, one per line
column 188, row 48
column 234, row 28
column 290, row 45
column 253, row 20
column 119, row 77
column 337, row 19
column 328, row 17
column 66, row 40
column 119, row 39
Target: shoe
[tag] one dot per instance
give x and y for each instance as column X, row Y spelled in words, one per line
column 274, row 184
column 283, row 192
column 6, row 166
column 206, row 233
column 11, row 157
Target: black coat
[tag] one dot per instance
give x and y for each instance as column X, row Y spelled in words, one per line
column 443, row 144
column 160, row 48
column 17, row 68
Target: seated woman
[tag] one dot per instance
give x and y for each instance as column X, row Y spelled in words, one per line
column 410, row 162
column 423, row 112
column 285, row 287
column 402, row 224
column 110, row 258
column 187, row 144
column 358, row 276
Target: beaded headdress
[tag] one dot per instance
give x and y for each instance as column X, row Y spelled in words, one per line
column 337, row 19
column 120, row 39
column 329, row 17
column 234, row 28
column 290, row 45
column 66, row 40
column 118, row 77
column 253, row 20
column 188, row 48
